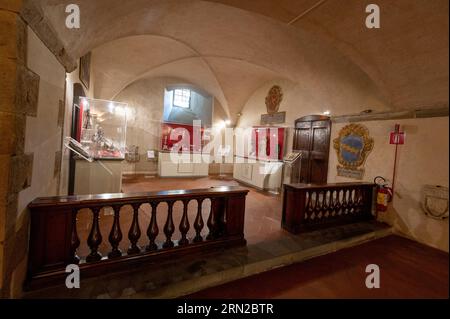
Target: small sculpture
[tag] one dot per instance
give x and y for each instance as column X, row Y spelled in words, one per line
column 87, row 120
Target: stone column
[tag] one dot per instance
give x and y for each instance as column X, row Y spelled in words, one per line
column 18, row 98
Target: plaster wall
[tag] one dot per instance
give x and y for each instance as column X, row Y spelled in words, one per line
column 422, row 160
column 42, row 142
column 43, row 134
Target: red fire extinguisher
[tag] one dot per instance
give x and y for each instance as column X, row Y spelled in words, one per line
column 384, row 193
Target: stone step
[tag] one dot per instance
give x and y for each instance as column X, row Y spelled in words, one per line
column 188, row 275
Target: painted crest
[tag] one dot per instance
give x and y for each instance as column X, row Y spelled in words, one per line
column 352, row 147
column 273, row 99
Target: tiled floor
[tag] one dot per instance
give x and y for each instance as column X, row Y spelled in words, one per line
column 262, row 218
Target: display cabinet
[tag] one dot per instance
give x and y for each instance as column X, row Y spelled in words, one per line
column 103, row 126
column 102, row 130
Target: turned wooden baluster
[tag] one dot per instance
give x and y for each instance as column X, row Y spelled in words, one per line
column 184, row 224
column 344, row 202
column 169, row 227
column 329, row 203
column 352, row 200
column 360, row 200
column 135, row 232
column 338, row 203
column 74, row 239
column 341, row 203
column 212, row 223
column 152, row 231
column 115, row 236
column 332, row 203
column 308, row 209
column 95, row 237
column 316, row 206
column 321, row 207
column 223, row 218
column 198, row 224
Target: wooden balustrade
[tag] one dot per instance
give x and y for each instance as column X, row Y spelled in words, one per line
column 54, row 239
column 309, row 206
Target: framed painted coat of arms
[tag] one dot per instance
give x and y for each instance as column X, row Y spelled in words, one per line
column 352, row 146
column 274, row 99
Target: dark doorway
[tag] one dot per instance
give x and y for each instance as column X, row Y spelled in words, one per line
column 78, row 91
column 312, row 138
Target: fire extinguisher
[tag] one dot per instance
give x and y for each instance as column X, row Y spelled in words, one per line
column 384, row 193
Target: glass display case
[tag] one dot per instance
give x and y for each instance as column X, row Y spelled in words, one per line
column 103, row 126
column 261, row 146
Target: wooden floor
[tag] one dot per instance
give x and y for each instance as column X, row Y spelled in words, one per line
column 407, row 270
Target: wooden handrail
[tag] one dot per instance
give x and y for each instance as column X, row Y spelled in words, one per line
column 54, row 239
column 311, row 206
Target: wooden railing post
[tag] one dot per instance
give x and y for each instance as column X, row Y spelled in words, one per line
column 235, row 216
column 53, row 239
column 216, row 218
column 294, row 209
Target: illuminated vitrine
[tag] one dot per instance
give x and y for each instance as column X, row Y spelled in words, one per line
column 103, row 126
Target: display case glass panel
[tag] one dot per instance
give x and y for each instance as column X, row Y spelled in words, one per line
column 267, row 143
column 103, row 126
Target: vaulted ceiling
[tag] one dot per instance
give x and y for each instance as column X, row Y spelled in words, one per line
column 407, row 57
column 232, row 47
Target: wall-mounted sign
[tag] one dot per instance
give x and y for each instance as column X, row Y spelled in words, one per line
column 274, row 118
column 352, row 147
column 273, row 99
column 397, row 137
